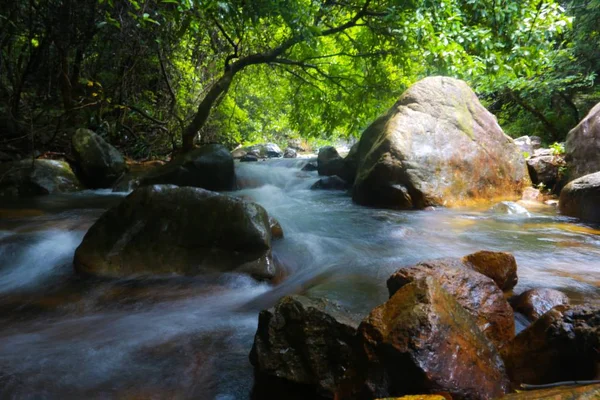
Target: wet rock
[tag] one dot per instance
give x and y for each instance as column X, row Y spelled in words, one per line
column 265, row 150
column 528, row 144
column 310, row 167
column 582, row 147
column 532, row 194
column 351, row 164
column 306, row 342
column 131, row 179
column 276, row 229
column 510, row 208
column 500, row 266
column 164, row 229
column 545, row 169
column 422, row 341
column 290, row 153
column 562, row 345
column 587, row 392
column 329, row 162
column 330, row 183
column 100, row 163
column 478, row 294
column 437, row 146
column 534, row 303
column 209, row 167
column 249, row 158
column 26, row 178
column 581, row 198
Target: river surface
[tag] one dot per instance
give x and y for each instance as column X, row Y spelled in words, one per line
column 64, row 337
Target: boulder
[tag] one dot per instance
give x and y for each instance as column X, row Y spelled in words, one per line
column 329, row 162
column 582, row 147
column 350, row 164
column 500, row 266
column 510, row 208
column 265, row 150
column 276, row 229
column 297, row 145
column 545, row 169
column 423, row 341
column 562, row 345
column 100, row 163
column 26, row 178
column 587, row 392
column 534, row 303
column 310, row 167
column 581, row 198
column 165, row 229
column 528, row 144
column 249, row 158
column 330, row 183
column 532, row 194
column 290, row 153
column 131, row 179
column 307, row 342
column 437, row 146
column 209, row 167
column 238, row 153
column 477, row 293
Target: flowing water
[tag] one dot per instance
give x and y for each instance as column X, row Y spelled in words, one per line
column 65, row 337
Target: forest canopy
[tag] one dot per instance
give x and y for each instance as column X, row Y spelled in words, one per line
column 154, row 75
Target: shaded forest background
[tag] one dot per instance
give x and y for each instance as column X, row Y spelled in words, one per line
column 154, row 76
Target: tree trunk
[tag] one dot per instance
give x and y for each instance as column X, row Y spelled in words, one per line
column 219, row 88
column 538, row 114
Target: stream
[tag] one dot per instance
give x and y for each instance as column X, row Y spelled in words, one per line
column 65, row 337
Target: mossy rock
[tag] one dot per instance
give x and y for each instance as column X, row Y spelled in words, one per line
column 100, row 164
column 40, row 177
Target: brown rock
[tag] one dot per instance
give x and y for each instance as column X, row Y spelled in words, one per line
column 437, row 146
column 535, row 302
column 588, row 392
column 423, row 341
column 477, row 293
column 500, row 266
column 276, row 229
column 306, row 342
column 581, row 198
column 562, row 345
column 582, row 147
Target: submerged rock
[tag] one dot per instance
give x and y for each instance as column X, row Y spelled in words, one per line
column 100, row 163
column 182, row 230
column 330, row 183
column 510, row 208
column 562, row 345
column 587, row 392
column 500, row 266
column 478, row 294
column 422, row 341
column 310, row 167
column 582, row 148
column 26, row 178
column 306, row 342
column 581, row 198
column 437, row 146
column 534, row 303
column 209, row 167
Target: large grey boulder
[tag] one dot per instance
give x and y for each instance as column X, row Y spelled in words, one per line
column 437, row 146
column 582, row 148
column 581, row 198
column 209, row 167
column 165, row 229
column 26, row 178
column 100, row 163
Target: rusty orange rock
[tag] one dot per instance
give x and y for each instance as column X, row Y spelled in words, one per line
column 500, row 266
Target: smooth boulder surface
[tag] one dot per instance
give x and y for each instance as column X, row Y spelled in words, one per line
column 562, row 345
column 477, row 293
column 534, row 303
column 329, row 162
column 40, row 177
column 307, row 342
column 351, row 164
column 582, row 147
column 581, row 198
column 587, row 392
column 500, row 266
column 100, row 163
column 437, row 146
column 209, row 167
column 165, row 229
column 423, row 341
column 544, row 168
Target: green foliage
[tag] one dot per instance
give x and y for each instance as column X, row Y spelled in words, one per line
column 557, row 148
